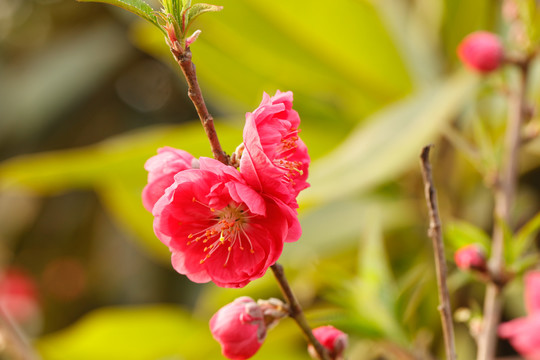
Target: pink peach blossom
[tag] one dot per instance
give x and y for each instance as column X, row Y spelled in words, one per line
column 161, row 170
column 220, row 229
column 239, row 327
column 524, row 333
column 275, row 160
column 481, row 51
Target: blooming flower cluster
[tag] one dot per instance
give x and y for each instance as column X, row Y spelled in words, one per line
column 229, row 225
column 524, row 333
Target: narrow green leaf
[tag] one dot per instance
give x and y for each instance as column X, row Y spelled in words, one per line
column 138, row 7
column 198, row 9
column 524, row 263
column 523, row 238
column 120, row 156
column 185, row 4
column 375, row 290
column 334, row 227
column 390, row 143
column 460, row 233
column 177, row 10
column 168, row 7
column 508, row 237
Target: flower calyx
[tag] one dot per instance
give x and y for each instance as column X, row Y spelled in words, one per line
column 273, row 310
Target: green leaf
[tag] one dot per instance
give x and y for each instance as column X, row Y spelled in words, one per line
column 154, row 332
column 390, row 143
column 371, row 296
column 339, row 85
column 134, row 333
column 333, row 227
column 508, row 238
column 415, row 38
column 460, row 233
column 198, row 9
column 138, row 7
column 524, row 237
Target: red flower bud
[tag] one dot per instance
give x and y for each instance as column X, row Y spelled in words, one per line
column 334, row 340
column 18, row 295
column 239, row 327
column 481, row 51
column 470, row 257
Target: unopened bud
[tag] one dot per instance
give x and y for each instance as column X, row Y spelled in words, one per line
column 470, row 257
column 481, row 51
column 334, row 340
column 239, row 327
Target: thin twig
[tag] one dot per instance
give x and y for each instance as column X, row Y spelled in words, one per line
column 504, row 193
column 296, row 311
column 194, row 92
column 435, row 233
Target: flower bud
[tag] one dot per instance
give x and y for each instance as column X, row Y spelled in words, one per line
column 18, row 295
column 334, row 340
column 481, row 51
column 470, row 257
column 239, row 328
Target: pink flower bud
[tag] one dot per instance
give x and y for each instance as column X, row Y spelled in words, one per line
column 334, row 340
column 18, row 295
column 470, row 257
column 239, row 327
column 481, row 51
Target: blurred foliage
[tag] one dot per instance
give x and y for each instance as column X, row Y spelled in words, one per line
column 81, row 109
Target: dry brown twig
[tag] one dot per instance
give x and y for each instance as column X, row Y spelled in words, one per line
column 435, row 233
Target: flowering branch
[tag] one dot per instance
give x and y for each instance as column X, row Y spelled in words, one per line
column 504, row 193
column 295, row 311
column 194, row 92
column 435, row 234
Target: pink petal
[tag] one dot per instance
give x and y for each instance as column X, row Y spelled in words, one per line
column 532, row 291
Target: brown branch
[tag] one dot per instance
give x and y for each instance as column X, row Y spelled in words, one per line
column 504, row 193
column 194, row 92
column 435, row 233
column 295, row 311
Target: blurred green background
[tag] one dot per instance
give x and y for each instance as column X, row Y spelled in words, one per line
column 88, row 92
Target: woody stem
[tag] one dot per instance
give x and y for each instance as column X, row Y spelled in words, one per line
column 194, row 92
column 296, row 312
column 435, row 233
column 504, row 193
